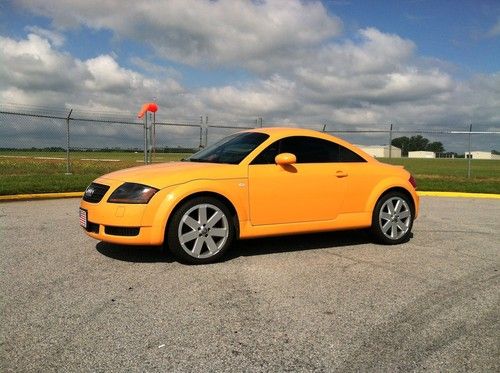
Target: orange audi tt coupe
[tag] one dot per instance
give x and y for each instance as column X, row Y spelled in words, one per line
column 262, row 182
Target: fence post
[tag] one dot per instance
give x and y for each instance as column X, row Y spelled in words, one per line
column 201, row 132
column 154, row 137
column 390, row 142
column 150, row 134
column 206, row 131
column 470, row 154
column 68, row 165
column 146, row 139
column 260, row 122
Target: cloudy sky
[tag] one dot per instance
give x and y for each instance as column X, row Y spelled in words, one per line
column 349, row 63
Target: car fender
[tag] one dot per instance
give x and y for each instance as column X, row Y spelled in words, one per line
column 387, row 184
column 234, row 190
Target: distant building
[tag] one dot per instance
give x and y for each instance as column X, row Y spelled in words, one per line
column 421, row 154
column 482, row 155
column 446, row 155
column 381, row 151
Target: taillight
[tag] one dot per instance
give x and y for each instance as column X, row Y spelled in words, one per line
column 413, row 182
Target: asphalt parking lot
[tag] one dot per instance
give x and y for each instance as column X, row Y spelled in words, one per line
column 323, row 302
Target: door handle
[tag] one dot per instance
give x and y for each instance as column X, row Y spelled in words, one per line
column 341, row 174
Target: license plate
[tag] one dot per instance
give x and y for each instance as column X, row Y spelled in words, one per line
column 83, row 218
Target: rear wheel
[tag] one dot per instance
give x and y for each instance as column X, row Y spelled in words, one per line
column 200, row 231
column 392, row 218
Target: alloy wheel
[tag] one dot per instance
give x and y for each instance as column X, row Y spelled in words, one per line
column 395, row 218
column 203, row 231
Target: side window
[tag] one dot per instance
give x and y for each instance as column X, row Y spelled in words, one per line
column 268, row 154
column 310, row 149
column 307, row 150
column 347, row 155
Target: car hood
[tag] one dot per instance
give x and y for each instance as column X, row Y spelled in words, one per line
column 166, row 174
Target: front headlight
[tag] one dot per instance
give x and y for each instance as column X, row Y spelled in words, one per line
column 132, row 193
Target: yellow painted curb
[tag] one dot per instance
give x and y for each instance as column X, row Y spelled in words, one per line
column 27, row 197
column 458, row 195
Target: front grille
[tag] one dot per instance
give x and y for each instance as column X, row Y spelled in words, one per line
column 92, row 227
column 95, row 192
column 121, row 231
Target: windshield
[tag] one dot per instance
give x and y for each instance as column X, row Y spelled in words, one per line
column 232, row 149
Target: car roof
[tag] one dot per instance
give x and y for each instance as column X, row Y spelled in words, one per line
column 285, row 131
column 295, row 131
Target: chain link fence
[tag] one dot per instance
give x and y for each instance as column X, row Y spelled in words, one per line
column 71, row 135
column 77, row 131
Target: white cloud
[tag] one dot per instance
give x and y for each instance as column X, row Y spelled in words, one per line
column 343, row 85
column 33, row 65
column 32, row 72
column 267, row 97
column 202, row 32
column 378, row 70
column 56, row 38
column 342, row 82
column 108, row 76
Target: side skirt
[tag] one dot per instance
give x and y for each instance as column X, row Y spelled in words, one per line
column 344, row 221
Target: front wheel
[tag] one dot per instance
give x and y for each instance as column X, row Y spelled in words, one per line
column 200, row 231
column 392, row 218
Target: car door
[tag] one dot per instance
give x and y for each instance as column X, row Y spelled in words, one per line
column 312, row 189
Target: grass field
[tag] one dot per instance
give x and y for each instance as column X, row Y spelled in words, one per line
column 44, row 172
column 450, row 175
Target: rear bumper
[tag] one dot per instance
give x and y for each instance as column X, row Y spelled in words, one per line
column 416, row 201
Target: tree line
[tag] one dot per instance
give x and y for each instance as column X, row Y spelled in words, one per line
column 417, row 143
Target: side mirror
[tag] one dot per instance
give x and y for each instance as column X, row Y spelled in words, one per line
column 284, row 159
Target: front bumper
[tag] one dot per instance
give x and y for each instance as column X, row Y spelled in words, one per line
column 127, row 224
column 101, row 232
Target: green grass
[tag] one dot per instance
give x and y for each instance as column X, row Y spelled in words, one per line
column 29, row 175
column 450, row 175
column 75, row 155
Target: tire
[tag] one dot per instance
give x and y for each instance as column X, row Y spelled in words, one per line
column 392, row 218
column 200, row 231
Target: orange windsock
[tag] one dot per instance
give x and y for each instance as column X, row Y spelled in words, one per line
column 150, row 106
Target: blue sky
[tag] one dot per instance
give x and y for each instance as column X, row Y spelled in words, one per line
column 456, row 31
column 355, row 64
